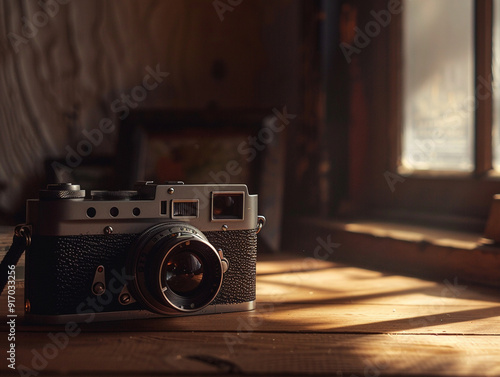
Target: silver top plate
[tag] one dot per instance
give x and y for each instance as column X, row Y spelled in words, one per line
column 66, row 217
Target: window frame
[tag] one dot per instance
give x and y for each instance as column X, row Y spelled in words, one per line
column 401, row 230
column 454, row 199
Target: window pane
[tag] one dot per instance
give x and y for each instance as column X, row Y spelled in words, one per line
column 496, row 75
column 438, row 74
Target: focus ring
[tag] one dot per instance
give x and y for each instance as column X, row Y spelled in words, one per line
column 151, row 254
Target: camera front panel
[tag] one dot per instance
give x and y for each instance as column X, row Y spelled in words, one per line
column 240, row 249
column 61, row 271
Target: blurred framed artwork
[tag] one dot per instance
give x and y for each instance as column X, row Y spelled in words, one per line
column 207, row 146
column 190, row 146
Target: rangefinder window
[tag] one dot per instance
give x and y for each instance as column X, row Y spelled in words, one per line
column 187, row 208
column 227, row 205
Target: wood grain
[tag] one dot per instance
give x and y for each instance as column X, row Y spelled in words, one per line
column 420, row 251
column 64, row 75
column 313, row 317
column 269, row 353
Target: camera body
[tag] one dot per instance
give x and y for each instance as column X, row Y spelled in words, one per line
column 158, row 250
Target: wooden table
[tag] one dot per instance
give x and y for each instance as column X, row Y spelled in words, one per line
column 313, row 317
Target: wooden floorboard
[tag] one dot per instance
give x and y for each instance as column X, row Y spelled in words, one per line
column 313, row 318
column 342, row 318
column 259, row 353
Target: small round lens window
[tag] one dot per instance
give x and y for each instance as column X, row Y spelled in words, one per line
column 184, row 273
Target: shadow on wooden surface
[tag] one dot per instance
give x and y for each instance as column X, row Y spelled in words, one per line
column 313, row 317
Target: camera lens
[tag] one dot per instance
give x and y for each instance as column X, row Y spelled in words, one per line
column 175, row 269
column 183, row 272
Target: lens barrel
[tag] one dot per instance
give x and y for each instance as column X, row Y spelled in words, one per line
column 175, row 269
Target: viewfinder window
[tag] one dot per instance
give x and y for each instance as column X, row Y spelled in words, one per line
column 227, row 205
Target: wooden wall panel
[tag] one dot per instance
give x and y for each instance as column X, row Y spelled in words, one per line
column 61, row 77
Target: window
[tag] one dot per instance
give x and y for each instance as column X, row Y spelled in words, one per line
column 380, row 201
column 432, row 135
column 438, row 85
column 412, row 116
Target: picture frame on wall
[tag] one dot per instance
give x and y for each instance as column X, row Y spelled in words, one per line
column 206, row 146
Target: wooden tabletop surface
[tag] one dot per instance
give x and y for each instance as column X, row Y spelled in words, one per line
column 313, row 317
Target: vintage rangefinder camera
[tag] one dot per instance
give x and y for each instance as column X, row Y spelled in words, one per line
column 159, row 250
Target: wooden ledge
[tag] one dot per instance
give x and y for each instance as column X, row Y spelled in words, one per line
column 409, row 249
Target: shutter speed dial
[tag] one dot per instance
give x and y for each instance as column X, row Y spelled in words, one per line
column 62, row 191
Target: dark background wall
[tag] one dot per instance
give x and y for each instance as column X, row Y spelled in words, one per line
column 64, row 63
